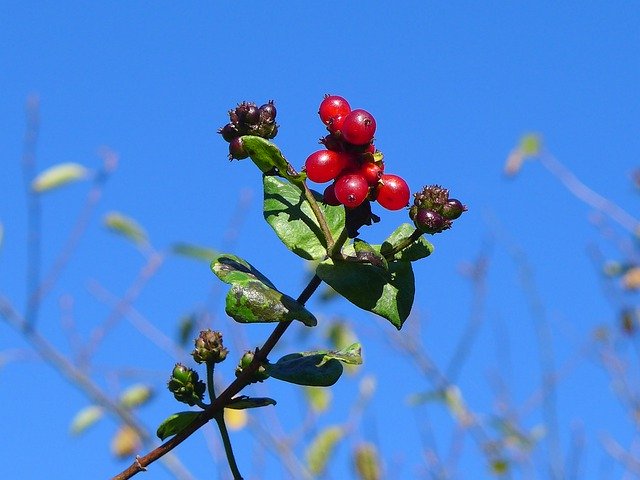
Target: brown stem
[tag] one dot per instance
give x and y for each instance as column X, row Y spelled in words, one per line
column 223, row 399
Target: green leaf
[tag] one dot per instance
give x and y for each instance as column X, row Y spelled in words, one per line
column 194, row 251
column 366, row 252
column 290, row 215
column 85, row 418
column 255, row 302
column 243, row 402
column 175, row 423
column 306, row 368
column 136, row 395
column 231, row 269
column 125, row 226
column 320, row 450
column 57, row 176
column 253, row 298
column 390, row 296
column 351, row 355
column 268, row 156
column 417, row 250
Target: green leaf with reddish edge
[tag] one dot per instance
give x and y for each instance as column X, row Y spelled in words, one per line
column 306, row 368
column 253, row 298
column 267, row 156
column 417, row 250
column 291, row 217
column 389, row 295
column 255, row 302
column 175, row 423
column 243, row 402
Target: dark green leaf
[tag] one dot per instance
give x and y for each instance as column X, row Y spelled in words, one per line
column 290, row 215
column 231, row 269
column 194, row 251
column 417, row 250
column 369, row 254
column 254, row 302
column 268, row 156
column 243, row 402
column 351, row 355
column 390, row 296
column 307, row 368
column 175, row 423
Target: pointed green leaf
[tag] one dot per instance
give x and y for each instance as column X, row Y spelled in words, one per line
column 231, row 269
column 390, row 296
column 306, row 368
column 290, row 215
column 243, row 402
column 85, row 418
column 351, row 355
column 253, row 298
column 125, row 226
column 194, row 251
column 255, row 302
column 366, row 252
column 417, row 250
column 136, row 395
column 268, row 156
column 175, row 423
column 57, row 176
column 321, row 449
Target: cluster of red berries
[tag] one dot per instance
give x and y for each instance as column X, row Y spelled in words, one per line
column 249, row 119
column 433, row 211
column 351, row 160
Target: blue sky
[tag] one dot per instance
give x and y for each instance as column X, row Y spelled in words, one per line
column 452, row 86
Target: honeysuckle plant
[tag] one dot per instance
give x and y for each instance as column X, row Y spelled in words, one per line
column 324, row 228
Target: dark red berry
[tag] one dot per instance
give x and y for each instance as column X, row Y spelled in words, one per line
column 358, row 127
column 268, row 112
column 351, row 189
column 329, row 195
column 452, row 209
column 324, row 165
column 237, row 150
column 393, row 192
column 229, row 132
column 429, row 221
column 333, row 106
column 372, row 172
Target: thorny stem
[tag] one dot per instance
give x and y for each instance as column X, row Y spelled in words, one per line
column 223, row 399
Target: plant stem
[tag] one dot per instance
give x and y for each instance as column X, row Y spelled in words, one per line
column 223, row 399
column 404, row 243
column 322, row 221
column 210, row 384
column 226, row 441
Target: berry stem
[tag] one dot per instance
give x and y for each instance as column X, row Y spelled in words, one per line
column 210, row 385
column 226, row 441
column 322, row 221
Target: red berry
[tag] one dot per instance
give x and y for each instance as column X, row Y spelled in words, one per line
column 358, row 127
column 329, row 195
column 335, row 123
column 393, row 192
column 351, row 189
column 333, row 106
column 324, row 165
column 372, row 172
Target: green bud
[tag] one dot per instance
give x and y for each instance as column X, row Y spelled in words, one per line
column 185, row 384
column 209, row 347
column 258, row 376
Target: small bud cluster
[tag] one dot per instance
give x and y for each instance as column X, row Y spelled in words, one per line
column 249, row 119
column 351, row 160
column 185, row 384
column 433, row 211
column 209, row 347
column 258, row 376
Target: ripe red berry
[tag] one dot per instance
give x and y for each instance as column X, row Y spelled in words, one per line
column 351, row 189
column 324, row 165
column 329, row 195
column 335, row 123
column 372, row 172
column 358, row 127
column 333, row 106
column 393, row 192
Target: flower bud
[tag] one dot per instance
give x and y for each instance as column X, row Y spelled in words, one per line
column 209, row 347
column 258, row 376
column 432, row 211
column 185, row 384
